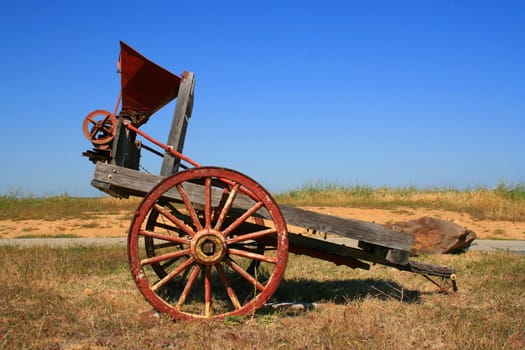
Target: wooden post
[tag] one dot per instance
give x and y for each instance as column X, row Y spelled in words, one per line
column 181, row 116
column 125, row 151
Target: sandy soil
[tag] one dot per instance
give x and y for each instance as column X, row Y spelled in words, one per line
column 95, row 225
column 116, row 225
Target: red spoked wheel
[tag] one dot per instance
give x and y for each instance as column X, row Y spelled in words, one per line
column 100, row 127
column 155, row 247
column 204, row 253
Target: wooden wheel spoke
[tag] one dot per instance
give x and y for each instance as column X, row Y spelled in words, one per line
column 169, row 263
column 172, row 274
column 167, row 227
column 245, row 247
column 226, row 284
column 185, row 257
column 253, row 256
column 158, row 258
column 242, row 218
column 174, row 239
column 218, row 209
column 166, row 245
column 187, row 288
column 178, row 222
column 207, row 292
column 227, row 206
column 207, row 203
column 168, row 205
column 251, row 236
column 189, row 207
column 244, row 274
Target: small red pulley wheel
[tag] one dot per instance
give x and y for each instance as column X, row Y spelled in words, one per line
column 100, row 127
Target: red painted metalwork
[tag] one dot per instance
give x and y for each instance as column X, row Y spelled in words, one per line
column 174, row 152
column 165, row 147
column 146, row 87
column 100, row 127
column 444, row 289
column 199, row 254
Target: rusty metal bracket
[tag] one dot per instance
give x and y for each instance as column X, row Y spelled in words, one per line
column 453, row 278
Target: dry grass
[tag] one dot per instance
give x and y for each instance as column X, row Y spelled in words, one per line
column 61, row 207
column 502, row 203
column 84, row 298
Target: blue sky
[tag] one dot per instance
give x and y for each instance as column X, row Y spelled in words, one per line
column 378, row 93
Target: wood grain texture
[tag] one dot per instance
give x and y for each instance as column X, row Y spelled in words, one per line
column 123, row 180
column 181, row 116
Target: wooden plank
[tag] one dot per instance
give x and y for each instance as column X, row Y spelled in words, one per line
column 139, row 183
column 181, row 116
column 338, row 254
column 327, row 247
column 330, row 248
column 430, row 270
column 355, row 229
column 126, row 180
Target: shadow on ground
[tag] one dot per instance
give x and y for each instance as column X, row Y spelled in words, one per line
column 343, row 291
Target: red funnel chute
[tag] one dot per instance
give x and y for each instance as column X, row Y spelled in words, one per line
column 146, row 87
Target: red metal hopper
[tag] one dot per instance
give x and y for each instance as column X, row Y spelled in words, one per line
column 146, row 87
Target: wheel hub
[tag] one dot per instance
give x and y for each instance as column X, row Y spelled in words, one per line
column 208, row 247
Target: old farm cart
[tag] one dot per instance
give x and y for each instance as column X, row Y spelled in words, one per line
column 207, row 242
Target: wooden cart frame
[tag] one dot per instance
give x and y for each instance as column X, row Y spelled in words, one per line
column 208, row 242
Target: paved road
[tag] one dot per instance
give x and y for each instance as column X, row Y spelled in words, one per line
column 481, row 244
column 494, row 245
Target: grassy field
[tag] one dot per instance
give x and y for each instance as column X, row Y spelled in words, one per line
column 60, row 207
column 84, row 298
column 501, row 203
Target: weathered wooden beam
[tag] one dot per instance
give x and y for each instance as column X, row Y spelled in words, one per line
column 350, row 228
column 140, row 183
column 181, row 116
column 430, row 270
